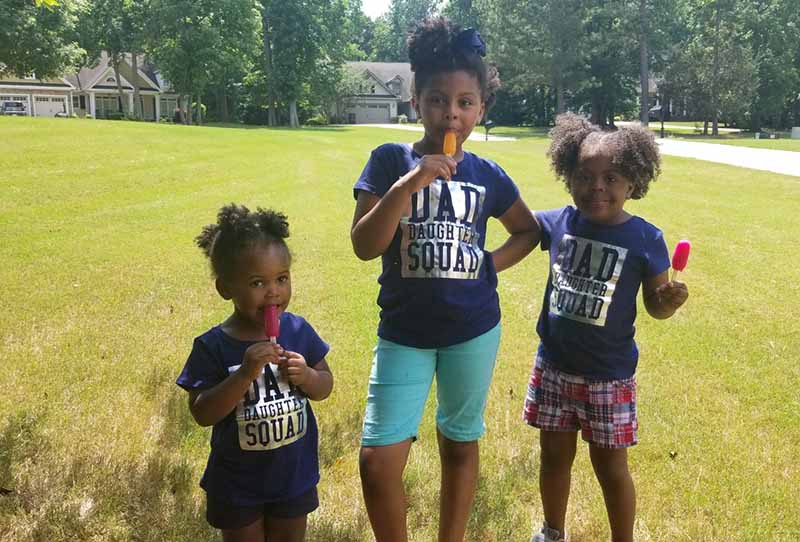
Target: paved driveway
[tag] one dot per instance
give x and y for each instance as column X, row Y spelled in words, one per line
column 785, row 162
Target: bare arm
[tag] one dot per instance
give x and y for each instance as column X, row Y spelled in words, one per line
column 662, row 297
column 375, row 219
column 525, row 234
column 211, row 405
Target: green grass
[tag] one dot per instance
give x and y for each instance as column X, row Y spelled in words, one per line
column 104, row 291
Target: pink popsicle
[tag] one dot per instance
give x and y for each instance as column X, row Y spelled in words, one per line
column 680, row 256
column 272, row 326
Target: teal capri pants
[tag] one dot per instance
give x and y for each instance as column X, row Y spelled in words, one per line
column 401, row 379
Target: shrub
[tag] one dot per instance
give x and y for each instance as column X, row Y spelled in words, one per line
column 317, row 120
column 400, row 119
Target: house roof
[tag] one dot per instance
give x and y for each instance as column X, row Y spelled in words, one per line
column 11, row 80
column 385, row 72
column 89, row 77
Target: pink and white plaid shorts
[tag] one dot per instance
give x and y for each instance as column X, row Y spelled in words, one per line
column 603, row 410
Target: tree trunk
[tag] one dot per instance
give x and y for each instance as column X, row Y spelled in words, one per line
column 755, row 118
column 181, row 119
column 715, row 80
column 137, row 105
column 222, row 101
column 122, row 100
column 199, row 109
column 268, row 68
column 644, row 67
column 189, row 109
column 294, row 122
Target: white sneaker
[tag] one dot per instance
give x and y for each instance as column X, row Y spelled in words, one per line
column 546, row 534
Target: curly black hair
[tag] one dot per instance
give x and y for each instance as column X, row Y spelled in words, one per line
column 433, row 49
column 633, row 149
column 238, row 229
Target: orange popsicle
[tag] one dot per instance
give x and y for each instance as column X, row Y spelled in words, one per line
column 450, row 144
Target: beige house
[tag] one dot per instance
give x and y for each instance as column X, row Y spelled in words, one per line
column 93, row 92
column 386, row 93
column 42, row 97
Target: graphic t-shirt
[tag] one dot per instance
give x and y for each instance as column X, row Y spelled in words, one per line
column 266, row 448
column 438, row 286
column 586, row 324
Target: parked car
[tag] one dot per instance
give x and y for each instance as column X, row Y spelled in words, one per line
column 13, row 108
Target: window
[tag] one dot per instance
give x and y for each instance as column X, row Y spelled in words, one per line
column 76, row 102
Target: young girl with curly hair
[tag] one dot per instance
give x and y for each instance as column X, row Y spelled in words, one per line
column 262, row 472
column 600, row 255
column 425, row 214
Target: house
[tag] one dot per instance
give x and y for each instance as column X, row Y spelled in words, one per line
column 385, row 93
column 93, row 91
column 42, row 97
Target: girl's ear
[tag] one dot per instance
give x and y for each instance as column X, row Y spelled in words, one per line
column 222, row 289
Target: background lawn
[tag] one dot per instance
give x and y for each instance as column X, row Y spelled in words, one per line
column 104, row 291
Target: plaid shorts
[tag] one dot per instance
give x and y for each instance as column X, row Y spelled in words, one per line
column 603, row 410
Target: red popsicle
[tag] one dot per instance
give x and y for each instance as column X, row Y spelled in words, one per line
column 272, row 326
column 680, row 256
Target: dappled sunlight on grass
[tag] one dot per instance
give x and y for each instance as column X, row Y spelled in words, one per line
column 105, row 290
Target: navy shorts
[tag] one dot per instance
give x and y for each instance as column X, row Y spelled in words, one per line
column 223, row 515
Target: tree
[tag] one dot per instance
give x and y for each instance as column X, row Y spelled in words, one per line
column 391, row 29
column 194, row 39
column 773, row 28
column 304, row 47
column 38, row 39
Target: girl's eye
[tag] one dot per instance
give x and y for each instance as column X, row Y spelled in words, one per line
column 466, row 103
column 257, row 284
column 283, row 279
column 611, row 179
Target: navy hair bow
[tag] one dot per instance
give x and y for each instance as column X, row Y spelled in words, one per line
column 470, row 40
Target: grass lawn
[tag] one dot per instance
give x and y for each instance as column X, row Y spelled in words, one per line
column 105, row 290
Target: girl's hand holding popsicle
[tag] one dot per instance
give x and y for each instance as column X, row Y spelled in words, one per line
column 675, row 293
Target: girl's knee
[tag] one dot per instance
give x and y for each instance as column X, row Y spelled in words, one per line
column 610, row 465
column 455, row 452
column 379, row 463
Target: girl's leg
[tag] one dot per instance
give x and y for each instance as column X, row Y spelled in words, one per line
column 285, row 529
column 399, row 384
column 459, row 479
column 381, row 470
column 555, row 468
column 611, row 467
column 251, row 533
column 463, row 374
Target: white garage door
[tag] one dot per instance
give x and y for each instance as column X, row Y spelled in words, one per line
column 48, row 106
column 17, row 98
column 372, row 114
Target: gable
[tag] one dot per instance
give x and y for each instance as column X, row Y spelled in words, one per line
column 109, row 81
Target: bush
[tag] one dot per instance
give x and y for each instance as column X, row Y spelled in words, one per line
column 115, row 115
column 317, row 120
column 400, row 119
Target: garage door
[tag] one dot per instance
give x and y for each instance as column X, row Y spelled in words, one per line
column 16, row 98
column 48, row 106
column 372, row 114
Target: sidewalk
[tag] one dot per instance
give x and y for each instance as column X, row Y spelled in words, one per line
column 477, row 134
column 784, row 162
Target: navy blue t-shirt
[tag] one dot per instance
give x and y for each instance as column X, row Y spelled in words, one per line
column 586, row 324
column 266, row 448
column 438, row 286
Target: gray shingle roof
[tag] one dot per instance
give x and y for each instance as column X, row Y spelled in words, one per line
column 386, row 71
